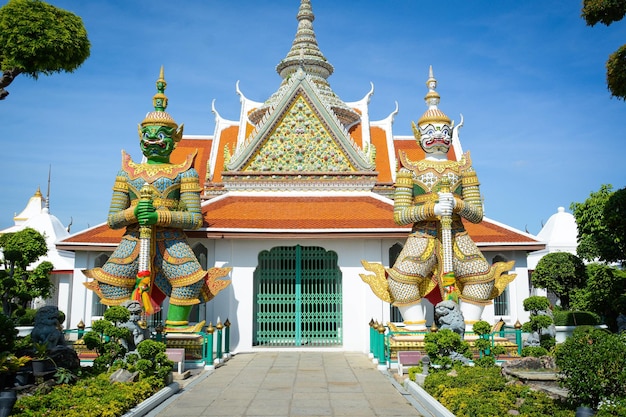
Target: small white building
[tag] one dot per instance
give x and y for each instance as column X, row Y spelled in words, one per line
column 36, row 215
column 560, row 234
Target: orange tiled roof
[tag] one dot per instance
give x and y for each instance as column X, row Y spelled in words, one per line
column 343, row 215
column 186, row 147
column 270, row 212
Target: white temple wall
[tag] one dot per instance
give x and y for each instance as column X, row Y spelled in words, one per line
column 81, row 298
column 518, row 289
column 236, row 302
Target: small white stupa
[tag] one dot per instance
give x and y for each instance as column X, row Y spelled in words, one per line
column 36, row 215
column 559, row 234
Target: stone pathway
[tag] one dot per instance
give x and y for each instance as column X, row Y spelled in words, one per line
column 285, row 383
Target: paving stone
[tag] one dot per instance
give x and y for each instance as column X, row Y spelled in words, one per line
column 290, row 384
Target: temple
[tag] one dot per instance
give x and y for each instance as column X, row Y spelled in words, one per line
column 297, row 190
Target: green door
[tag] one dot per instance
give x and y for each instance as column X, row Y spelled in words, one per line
column 297, row 293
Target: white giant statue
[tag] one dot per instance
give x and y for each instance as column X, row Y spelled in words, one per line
column 439, row 260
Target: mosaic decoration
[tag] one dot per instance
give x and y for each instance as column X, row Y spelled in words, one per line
column 155, row 201
column 439, row 260
column 300, row 143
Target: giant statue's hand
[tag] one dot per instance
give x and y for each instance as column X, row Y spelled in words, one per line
column 146, row 213
column 445, row 205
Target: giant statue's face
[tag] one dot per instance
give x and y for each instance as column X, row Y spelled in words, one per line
column 435, row 138
column 156, row 142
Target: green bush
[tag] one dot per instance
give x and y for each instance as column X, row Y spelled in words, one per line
column 481, row 327
column 485, row 361
column 536, row 303
column 105, row 338
column 24, row 317
column 575, row 318
column 534, row 351
column 612, row 408
column 537, row 323
column 486, row 353
column 539, row 308
column 151, row 361
column 473, row 391
column 593, row 365
column 414, row 370
column 93, row 397
column 8, row 333
column 440, row 345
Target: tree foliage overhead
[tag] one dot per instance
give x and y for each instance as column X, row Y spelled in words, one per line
column 607, row 12
column 614, row 218
column 560, row 273
column 37, row 38
column 601, row 228
column 604, row 293
column 18, row 284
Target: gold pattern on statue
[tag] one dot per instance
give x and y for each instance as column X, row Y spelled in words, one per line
column 378, row 281
column 436, row 166
column 152, row 172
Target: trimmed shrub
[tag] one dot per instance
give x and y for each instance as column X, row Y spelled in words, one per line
column 534, row 351
column 8, row 333
column 593, row 364
column 575, row 318
column 444, row 344
column 93, row 397
column 151, row 361
column 472, row 391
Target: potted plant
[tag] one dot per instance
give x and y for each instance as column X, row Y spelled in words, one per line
column 25, row 321
column 43, row 364
column 10, row 364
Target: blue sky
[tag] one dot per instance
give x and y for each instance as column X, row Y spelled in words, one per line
column 528, row 77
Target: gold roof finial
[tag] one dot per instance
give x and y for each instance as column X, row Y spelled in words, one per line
column 432, row 98
column 159, row 116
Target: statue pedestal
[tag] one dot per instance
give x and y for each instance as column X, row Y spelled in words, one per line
column 190, row 342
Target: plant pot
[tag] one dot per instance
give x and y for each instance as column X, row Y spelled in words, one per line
column 7, row 380
column 584, row 412
column 7, row 401
column 563, row 332
column 43, row 367
column 23, row 331
column 23, row 378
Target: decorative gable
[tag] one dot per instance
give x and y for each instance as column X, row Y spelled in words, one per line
column 300, row 144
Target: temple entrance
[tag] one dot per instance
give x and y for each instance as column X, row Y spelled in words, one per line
column 297, row 296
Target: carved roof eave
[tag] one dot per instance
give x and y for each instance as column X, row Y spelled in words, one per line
column 356, row 156
column 299, row 181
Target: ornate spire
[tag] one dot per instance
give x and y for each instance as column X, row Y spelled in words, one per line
column 304, row 50
column 433, row 114
column 305, row 59
column 159, row 116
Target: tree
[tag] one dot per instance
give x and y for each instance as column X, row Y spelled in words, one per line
column 592, row 364
column 601, row 238
column 538, row 325
column 607, row 12
column 560, row 273
column 614, row 213
column 603, row 294
column 37, row 38
column 18, row 285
